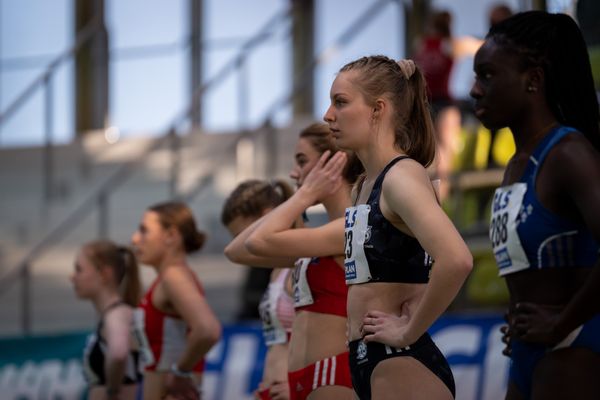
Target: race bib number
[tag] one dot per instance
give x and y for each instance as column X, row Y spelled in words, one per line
column 273, row 332
column 302, row 294
column 506, row 207
column 357, row 231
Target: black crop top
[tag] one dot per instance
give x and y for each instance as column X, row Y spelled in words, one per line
column 94, row 357
column 377, row 251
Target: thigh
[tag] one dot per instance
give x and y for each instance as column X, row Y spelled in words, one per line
column 570, row 373
column 331, row 392
column 406, row 378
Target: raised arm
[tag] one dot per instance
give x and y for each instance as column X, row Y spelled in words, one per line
column 272, row 237
column 237, row 252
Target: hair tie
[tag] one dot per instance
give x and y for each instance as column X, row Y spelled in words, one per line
column 407, row 67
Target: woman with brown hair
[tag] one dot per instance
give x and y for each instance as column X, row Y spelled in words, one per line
column 107, row 275
column 318, row 357
column 248, row 202
column 179, row 324
column 405, row 261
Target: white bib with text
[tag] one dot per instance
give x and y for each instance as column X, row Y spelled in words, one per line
column 506, row 207
column 357, row 231
column 302, row 294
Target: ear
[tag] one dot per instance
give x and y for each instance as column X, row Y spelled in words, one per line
column 378, row 108
column 107, row 273
column 171, row 235
column 535, row 80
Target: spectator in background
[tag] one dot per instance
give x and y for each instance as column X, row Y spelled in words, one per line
column 435, row 54
column 179, row 324
column 498, row 13
column 107, row 275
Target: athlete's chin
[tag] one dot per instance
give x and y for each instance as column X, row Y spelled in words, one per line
column 342, row 143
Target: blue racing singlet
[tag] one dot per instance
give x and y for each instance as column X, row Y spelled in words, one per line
column 526, row 235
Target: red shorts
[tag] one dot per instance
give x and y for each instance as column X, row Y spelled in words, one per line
column 332, row 371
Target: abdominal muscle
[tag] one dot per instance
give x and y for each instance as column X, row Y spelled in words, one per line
column 388, row 297
column 315, row 336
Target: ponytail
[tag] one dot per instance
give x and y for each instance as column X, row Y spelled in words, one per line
column 130, row 286
column 122, row 261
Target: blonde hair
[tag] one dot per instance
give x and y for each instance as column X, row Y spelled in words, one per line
column 404, row 85
column 104, row 253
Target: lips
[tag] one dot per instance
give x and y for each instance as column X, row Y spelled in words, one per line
column 479, row 110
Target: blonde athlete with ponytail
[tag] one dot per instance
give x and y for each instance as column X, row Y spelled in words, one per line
column 107, row 275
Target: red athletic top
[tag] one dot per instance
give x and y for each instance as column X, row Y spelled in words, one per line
column 166, row 333
column 434, row 57
column 320, row 286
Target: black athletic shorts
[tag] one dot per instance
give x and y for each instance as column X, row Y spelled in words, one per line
column 364, row 357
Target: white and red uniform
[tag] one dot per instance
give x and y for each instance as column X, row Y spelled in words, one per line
column 166, row 333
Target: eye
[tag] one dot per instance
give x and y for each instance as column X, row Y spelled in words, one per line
column 339, row 102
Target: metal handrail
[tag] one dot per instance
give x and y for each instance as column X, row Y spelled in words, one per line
column 85, row 34
column 100, row 194
column 300, row 82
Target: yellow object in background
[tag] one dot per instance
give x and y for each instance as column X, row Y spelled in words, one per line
column 482, row 148
column 503, row 147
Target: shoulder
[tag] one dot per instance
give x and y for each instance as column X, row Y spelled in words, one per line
column 573, row 154
column 405, row 173
column 177, row 275
column 121, row 312
column 408, row 186
column 571, row 147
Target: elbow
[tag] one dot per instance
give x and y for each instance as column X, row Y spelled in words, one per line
column 212, row 333
column 208, row 334
column 118, row 355
column 231, row 254
column 255, row 246
column 464, row 264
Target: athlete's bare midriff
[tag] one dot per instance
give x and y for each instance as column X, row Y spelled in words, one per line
column 387, row 297
column 551, row 286
column 315, row 336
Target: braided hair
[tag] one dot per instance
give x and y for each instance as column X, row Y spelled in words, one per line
column 554, row 43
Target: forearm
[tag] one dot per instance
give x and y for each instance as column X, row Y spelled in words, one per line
column 236, row 250
column 443, row 286
column 198, row 345
column 115, row 370
column 583, row 306
column 280, row 219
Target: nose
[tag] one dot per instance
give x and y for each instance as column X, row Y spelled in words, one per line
column 135, row 237
column 294, row 174
column 328, row 116
column 475, row 91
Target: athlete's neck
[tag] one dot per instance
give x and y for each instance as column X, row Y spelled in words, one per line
column 105, row 299
column 336, row 203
